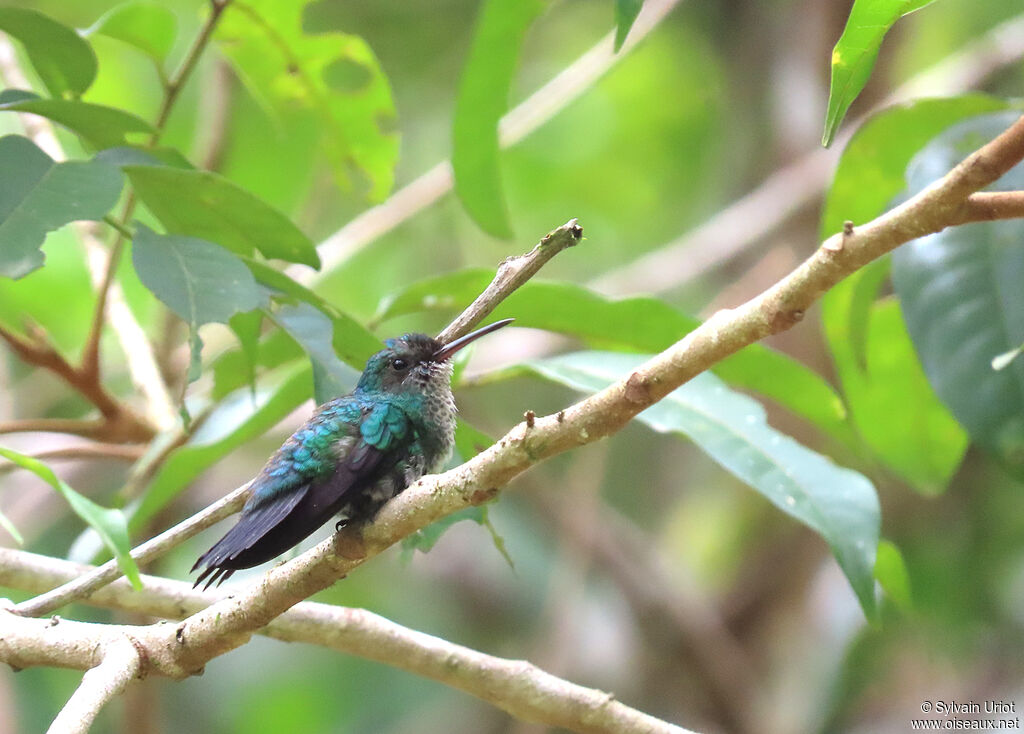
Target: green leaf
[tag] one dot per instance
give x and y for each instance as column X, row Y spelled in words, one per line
column 136, row 155
column 891, row 403
column 204, row 205
column 314, row 331
column 230, row 371
column 63, row 59
column 108, row 523
column 892, row 575
column 353, row 343
column 837, row 503
column 7, row 525
column 854, row 55
column 961, row 295
column 482, row 100
column 469, row 441
column 426, row 538
column 247, row 327
column 38, row 195
column 870, row 171
column 643, row 324
column 334, row 75
column 98, row 126
column 235, row 422
column 197, row 280
column 149, row 27
column 625, row 14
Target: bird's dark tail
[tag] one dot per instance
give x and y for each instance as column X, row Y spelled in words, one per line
column 262, row 532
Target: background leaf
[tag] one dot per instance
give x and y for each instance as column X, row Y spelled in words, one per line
column 837, row 503
column 353, row 343
column 960, row 291
column 98, row 126
column 879, row 370
column 64, row 60
column 893, row 576
column 625, row 14
column 854, row 55
column 204, row 205
column 314, row 332
column 334, row 75
column 108, row 523
column 38, row 196
column 482, row 100
column 870, row 172
column 197, row 280
column 149, row 27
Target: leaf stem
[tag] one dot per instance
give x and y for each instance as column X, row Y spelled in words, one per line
column 121, row 229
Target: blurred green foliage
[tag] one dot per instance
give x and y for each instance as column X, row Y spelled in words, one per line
column 300, row 116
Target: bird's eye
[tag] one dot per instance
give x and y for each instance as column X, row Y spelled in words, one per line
column 399, row 364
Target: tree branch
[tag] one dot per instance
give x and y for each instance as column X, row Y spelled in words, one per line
column 120, row 664
column 153, row 548
column 515, row 686
column 512, row 273
column 990, row 206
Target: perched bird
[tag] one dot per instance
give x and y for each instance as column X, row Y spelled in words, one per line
column 355, row 453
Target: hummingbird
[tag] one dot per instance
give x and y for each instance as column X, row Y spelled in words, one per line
column 353, row 455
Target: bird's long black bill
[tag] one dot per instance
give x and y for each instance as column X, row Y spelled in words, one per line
column 452, row 347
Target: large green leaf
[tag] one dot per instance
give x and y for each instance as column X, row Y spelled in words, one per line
column 314, row 331
column 196, row 279
column 335, row 75
column 870, row 171
column 98, row 126
column 962, row 299
column 892, row 405
column 643, row 324
column 108, row 523
column 38, row 195
column 353, row 343
column 854, row 55
column 63, row 59
column 204, row 205
column 148, row 26
column 625, row 13
column 233, row 369
column 236, row 421
column 837, row 503
column 482, row 100
column 893, row 576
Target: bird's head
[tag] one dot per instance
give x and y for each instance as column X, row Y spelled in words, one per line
column 412, row 363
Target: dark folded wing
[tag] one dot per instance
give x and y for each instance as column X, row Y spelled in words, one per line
column 288, row 507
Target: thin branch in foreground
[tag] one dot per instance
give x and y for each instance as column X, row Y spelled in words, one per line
column 143, row 554
column 512, row 273
column 515, row 686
